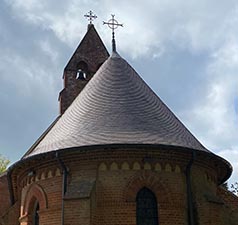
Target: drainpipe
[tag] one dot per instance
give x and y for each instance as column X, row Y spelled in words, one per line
column 10, row 187
column 191, row 219
column 64, row 185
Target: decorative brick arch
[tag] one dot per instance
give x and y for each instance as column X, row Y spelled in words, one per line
column 35, row 193
column 150, row 180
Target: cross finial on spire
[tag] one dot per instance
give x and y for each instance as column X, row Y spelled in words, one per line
column 90, row 16
column 113, row 24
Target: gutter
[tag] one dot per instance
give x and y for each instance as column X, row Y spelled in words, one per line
column 64, row 185
column 191, row 217
column 10, row 186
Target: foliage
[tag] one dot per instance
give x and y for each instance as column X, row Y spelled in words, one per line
column 234, row 188
column 225, row 185
column 3, row 163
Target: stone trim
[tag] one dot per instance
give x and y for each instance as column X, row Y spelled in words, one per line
column 40, row 175
column 35, row 193
column 157, row 167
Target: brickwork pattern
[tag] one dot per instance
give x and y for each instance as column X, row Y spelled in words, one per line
column 102, row 188
column 4, row 194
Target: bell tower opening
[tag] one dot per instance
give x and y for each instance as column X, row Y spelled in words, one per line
column 84, row 63
column 82, row 71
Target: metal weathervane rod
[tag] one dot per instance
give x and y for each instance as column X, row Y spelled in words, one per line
column 113, row 25
column 90, row 16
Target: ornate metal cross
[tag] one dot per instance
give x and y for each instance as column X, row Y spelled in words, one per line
column 90, row 16
column 113, row 24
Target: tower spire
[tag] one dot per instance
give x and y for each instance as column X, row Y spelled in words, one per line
column 84, row 63
column 113, row 24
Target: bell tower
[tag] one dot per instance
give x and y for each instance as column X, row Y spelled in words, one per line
column 84, row 63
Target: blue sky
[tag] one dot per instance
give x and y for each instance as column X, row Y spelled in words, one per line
column 187, row 51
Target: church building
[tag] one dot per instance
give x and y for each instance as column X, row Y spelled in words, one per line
column 115, row 155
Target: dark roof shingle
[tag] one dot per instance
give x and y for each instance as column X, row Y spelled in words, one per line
column 116, row 107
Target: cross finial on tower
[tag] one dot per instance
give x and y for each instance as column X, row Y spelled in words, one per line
column 113, row 24
column 90, row 16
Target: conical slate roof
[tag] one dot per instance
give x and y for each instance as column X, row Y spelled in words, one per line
column 116, row 107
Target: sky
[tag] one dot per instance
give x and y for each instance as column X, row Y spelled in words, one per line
column 186, row 51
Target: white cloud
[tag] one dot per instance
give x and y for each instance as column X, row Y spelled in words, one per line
column 232, row 156
column 214, row 114
column 64, row 20
column 218, row 106
column 151, row 29
column 197, row 25
column 23, row 75
column 47, row 48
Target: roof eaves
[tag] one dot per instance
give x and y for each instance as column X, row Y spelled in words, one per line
column 31, row 149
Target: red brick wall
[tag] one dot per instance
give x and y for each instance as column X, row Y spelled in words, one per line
column 228, row 197
column 4, row 194
column 8, row 214
column 46, row 188
column 102, row 187
column 11, row 216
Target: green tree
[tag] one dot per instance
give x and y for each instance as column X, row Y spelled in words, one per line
column 234, row 188
column 225, row 186
column 3, row 163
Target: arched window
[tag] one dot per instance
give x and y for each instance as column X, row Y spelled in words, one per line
column 35, row 200
column 35, row 214
column 146, row 208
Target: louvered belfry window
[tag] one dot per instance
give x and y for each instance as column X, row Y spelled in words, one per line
column 146, row 208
